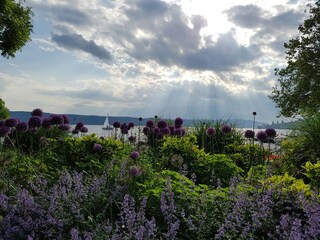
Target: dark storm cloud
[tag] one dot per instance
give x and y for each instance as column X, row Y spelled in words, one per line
column 77, row 42
column 176, row 39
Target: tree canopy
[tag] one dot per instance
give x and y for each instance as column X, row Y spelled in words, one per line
column 298, row 89
column 15, row 27
column 4, row 112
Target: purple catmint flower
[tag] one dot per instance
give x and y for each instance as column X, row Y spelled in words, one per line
column 130, row 125
column 22, row 127
column 134, row 155
column 2, row 123
column 84, row 130
column 135, row 171
column 57, row 119
column 74, row 234
column 97, row 147
column 66, row 119
column 34, row 122
column 162, row 124
column 146, row 130
column 37, row 112
column 150, row 124
column 271, row 133
column 4, row 131
column 46, row 123
column 249, row 134
column 116, row 124
column 178, row 122
column 79, row 125
column 225, row 128
column 64, row 127
column 11, row 122
column 261, row 136
column 211, row 132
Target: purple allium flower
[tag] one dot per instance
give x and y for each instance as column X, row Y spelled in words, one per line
column 2, row 123
column 178, row 122
column 123, row 126
column 11, row 122
column 261, row 136
column 130, row 125
column 150, row 124
column 135, row 171
column 22, row 127
column 37, row 112
column 66, row 119
column 84, row 130
column 171, row 129
column 75, row 131
column 166, row 131
column 271, row 133
column 156, row 130
column 97, row 147
column 64, row 127
column 140, row 119
column 183, row 132
column 124, row 130
column 225, row 129
column 34, row 122
column 79, row 125
column 132, row 139
column 116, row 124
column 162, row 124
column 146, row 130
column 46, row 123
column 249, row 134
column 4, row 131
column 159, row 136
column 134, row 155
column 211, row 132
column 177, row 132
column 57, row 119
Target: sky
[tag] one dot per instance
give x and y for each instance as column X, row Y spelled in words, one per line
column 195, row 59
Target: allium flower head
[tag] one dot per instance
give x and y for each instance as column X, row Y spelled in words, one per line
column 84, row 130
column 140, row 119
column 261, row 136
column 146, row 130
column 171, row 129
column 4, row 131
column 132, row 139
column 46, row 123
column 97, row 147
column 75, row 131
column 2, row 123
column 211, row 132
column 162, row 124
column 166, row 131
column 249, row 134
column 37, row 112
column 150, row 124
column 159, row 136
column 135, row 171
column 116, row 124
column 225, row 128
column 178, row 122
column 66, row 119
column 178, row 132
column 271, row 133
column 79, row 125
column 156, row 130
column 123, row 126
column 57, row 119
column 22, row 127
column 124, row 130
column 11, row 122
column 130, row 125
column 134, row 155
column 64, row 127
column 34, row 122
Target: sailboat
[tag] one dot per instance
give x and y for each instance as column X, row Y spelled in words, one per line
column 106, row 125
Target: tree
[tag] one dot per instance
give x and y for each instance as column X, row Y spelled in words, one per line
column 4, row 112
column 298, row 89
column 15, row 27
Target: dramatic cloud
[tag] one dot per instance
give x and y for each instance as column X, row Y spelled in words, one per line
column 77, row 42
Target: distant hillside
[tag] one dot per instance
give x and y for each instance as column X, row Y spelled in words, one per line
column 99, row 120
